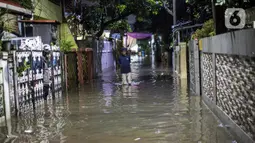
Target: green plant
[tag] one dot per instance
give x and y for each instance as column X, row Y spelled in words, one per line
column 8, row 28
column 65, row 45
column 23, row 68
column 206, row 31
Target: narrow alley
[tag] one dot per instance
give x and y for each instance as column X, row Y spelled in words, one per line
column 155, row 111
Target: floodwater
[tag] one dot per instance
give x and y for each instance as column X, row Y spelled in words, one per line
column 155, row 111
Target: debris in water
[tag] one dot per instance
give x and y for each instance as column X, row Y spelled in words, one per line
column 221, row 125
column 177, row 114
column 28, row 131
column 137, row 139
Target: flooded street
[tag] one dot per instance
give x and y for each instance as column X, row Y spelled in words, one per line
column 155, row 111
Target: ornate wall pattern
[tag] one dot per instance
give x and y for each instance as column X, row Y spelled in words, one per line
column 192, row 71
column 235, row 78
column 207, row 75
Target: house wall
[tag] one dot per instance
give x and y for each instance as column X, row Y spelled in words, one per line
column 48, row 10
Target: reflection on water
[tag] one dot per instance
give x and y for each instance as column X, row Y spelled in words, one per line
column 156, row 111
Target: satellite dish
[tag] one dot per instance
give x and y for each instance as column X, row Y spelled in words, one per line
column 131, row 19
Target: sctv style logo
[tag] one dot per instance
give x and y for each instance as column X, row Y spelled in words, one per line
column 235, row 18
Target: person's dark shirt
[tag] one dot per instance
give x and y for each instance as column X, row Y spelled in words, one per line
column 124, row 62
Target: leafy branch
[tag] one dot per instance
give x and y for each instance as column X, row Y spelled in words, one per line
column 23, row 68
column 206, row 31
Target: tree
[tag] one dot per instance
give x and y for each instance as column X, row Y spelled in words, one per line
column 199, row 10
column 97, row 15
column 119, row 26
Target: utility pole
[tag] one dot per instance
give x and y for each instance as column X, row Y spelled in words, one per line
column 214, row 14
column 174, row 12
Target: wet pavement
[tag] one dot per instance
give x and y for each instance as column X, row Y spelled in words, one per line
column 155, row 111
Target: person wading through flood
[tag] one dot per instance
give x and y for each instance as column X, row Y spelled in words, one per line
column 124, row 61
column 46, row 74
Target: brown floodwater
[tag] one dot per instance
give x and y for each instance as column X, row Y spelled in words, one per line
column 158, row 110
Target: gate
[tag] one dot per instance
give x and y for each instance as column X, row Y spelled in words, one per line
column 25, row 67
column 29, row 64
column 56, row 70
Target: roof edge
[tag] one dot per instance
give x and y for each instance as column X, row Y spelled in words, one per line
column 15, row 8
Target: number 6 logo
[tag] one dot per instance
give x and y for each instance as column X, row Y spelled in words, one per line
column 235, row 18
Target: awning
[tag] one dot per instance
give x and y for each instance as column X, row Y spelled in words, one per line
column 40, row 21
column 139, row 35
column 14, row 7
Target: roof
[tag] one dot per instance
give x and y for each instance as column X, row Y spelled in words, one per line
column 14, row 7
column 40, row 21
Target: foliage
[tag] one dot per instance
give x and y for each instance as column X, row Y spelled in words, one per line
column 199, row 10
column 206, row 31
column 65, row 45
column 8, row 27
column 98, row 15
column 23, row 68
column 237, row 3
column 25, row 3
column 119, row 25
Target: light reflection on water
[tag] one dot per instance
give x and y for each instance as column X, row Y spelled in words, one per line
column 156, row 111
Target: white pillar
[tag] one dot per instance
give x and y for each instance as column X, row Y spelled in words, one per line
column 4, row 57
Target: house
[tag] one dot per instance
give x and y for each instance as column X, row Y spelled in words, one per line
column 48, row 22
column 10, row 13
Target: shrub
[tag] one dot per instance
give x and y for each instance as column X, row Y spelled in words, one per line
column 206, row 31
column 65, row 45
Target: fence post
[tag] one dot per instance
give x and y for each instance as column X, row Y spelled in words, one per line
column 15, row 80
column 197, row 68
column 5, row 75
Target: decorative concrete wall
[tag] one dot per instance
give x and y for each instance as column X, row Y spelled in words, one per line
column 228, row 80
column 235, row 82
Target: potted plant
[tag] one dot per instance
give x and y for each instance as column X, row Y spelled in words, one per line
column 6, row 43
